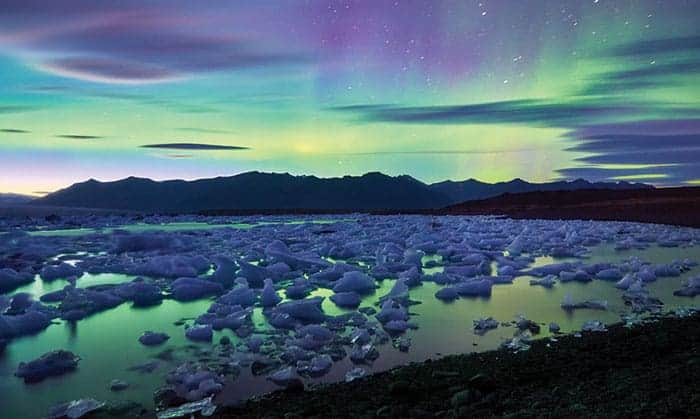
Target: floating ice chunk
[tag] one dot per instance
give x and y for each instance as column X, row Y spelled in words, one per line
column 333, row 273
column 225, row 271
column 360, row 337
column 667, row 270
column 140, row 292
column 547, row 282
column 23, row 324
column 279, row 251
column 269, row 297
column 61, row 271
column 256, row 275
column 356, row 282
column 50, row 364
column 569, row 304
column 140, row 242
column 19, row 303
column 241, row 295
column 637, row 296
column 301, row 289
column 447, row 294
column 553, row 269
column 204, row 407
column 285, row 377
column 149, row 338
column 396, row 327
column 74, row 409
column 525, row 325
column 578, row 276
column 465, row 271
column 411, row 277
column 476, row 287
column 118, row 385
column 611, row 274
column 363, row 353
column 483, row 325
column 11, row 279
column 320, row 365
column 172, row 266
column 593, row 326
column 354, row 374
column 187, row 289
column 517, row 344
column 403, row 344
column 392, row 310
column 346, row 299
column 308, row 310
column 626, row 281
column 517, row 246
column 690, row 289
column 200, row 333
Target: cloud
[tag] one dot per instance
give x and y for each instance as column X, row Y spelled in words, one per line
column 652, row 47
column 530, row 112
column 14, row 131
column 204, row 130
column 15, row 108
column 665, row 151
column 108, row 70
column 135, row 43
column 193, row 146
column 79, row 137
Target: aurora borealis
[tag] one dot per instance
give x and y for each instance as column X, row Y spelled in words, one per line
column 600, row 89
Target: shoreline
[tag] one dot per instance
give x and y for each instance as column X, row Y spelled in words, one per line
column 651, row 369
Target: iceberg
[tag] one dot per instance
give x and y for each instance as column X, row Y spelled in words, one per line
column 50, row 364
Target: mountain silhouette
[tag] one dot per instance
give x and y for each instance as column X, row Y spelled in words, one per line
column 282, row 191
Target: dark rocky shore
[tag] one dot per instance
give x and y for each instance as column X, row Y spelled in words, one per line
column 649, row 370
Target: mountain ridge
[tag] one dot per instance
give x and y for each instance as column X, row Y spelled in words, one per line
column 261, row 190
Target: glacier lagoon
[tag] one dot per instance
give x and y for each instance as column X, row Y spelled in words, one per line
column 211, row 273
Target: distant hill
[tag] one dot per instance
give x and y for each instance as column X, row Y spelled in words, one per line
column 273, row 191
column 471, row 189
column 12, row 199
column 677, row 206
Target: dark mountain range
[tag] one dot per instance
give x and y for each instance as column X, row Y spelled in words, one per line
column 12, row 199
column 472, row 189
column 258, row 191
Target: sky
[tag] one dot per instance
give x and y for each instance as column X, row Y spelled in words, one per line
column 492, row 90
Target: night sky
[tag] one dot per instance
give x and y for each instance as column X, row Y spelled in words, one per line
column 493, row 90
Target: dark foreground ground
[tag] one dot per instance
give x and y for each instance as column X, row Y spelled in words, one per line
column 649, row 371
column 677, row 206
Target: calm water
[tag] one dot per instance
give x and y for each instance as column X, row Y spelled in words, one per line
column 107, row 342
column 173, row 226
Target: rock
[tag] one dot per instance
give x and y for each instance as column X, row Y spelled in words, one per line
column 400, row 388
column 482, row 382
column 463, row 398
column 554, row 327
column 50, row 364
